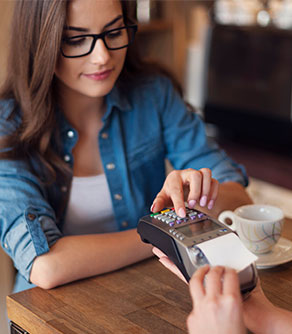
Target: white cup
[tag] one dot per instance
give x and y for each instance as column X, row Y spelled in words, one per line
column 258, row 226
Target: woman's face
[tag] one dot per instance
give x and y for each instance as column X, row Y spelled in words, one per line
column 93, row 75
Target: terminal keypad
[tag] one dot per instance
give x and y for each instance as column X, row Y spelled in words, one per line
column 169, row 217
column 173, row 221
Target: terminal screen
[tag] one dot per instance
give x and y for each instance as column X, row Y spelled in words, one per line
column 195, row 229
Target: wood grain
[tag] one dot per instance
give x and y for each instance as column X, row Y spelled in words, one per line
column 6, row 8
column 277, row 282
column 144, row 298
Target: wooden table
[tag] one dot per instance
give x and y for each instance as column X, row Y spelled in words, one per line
column 143, row 298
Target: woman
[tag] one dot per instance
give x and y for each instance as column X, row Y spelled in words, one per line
column 85, row 130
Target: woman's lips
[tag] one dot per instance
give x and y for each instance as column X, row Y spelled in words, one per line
column 98, row 75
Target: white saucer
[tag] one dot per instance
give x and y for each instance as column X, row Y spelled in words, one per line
column 281, row 253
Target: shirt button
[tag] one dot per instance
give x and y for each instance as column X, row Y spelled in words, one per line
column 64, row 189
column 31, row 216
column 104, row 135
column 110, row 166
column 5, row 245
column 125, row 224
column 70, row 134
column 118, row 197
column 67, row 158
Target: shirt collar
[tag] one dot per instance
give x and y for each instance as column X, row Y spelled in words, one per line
column 118, row 98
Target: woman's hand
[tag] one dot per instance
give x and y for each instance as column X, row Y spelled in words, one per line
column 220, row 296
column 168, row 263
column 193, row 186
column 217, row 303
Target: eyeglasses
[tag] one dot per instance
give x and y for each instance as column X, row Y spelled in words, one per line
column 83, row 45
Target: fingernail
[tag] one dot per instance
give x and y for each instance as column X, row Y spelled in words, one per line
column 152, row 207
column 203, row 201
column 192, row 203
column 211, row 204
column 181, row 212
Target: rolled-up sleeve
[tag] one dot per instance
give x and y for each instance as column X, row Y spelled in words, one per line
column 187, row 145
column 28, row 224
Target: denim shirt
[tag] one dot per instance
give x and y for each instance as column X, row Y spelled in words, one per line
column 141, row 128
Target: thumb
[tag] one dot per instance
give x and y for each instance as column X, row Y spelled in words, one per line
column 159, row 203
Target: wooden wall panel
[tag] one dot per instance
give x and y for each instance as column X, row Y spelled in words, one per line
column 6, row 7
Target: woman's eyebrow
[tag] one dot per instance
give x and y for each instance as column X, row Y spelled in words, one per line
column 86, row 30
column 76, row 29
column 113, row 21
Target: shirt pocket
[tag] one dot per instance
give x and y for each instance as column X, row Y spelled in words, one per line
column 145, row 152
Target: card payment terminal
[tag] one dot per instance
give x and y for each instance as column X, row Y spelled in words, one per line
column 179, row 238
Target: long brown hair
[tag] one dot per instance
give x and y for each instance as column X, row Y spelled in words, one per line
column 35, row 43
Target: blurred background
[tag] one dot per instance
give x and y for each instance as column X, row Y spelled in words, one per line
column 233, row 59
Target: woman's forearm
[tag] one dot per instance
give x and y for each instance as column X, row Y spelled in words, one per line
column 266, row 318
column 281, row 322
column 76, row 257
column 262, row 317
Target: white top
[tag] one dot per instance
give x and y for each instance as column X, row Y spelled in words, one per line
column 90, row 207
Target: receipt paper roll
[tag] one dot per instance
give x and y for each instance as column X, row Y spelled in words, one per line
column 228, row 251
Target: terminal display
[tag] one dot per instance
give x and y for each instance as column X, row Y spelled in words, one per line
column 198, row 228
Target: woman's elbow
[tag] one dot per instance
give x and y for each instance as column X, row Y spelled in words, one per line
column 44, row 272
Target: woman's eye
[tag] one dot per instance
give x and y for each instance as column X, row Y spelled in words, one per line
column 75, row 41
column 114, row 34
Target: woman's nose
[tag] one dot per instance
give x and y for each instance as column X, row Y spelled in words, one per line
column 100, row 54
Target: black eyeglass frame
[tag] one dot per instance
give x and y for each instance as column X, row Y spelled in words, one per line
column 102, row 36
